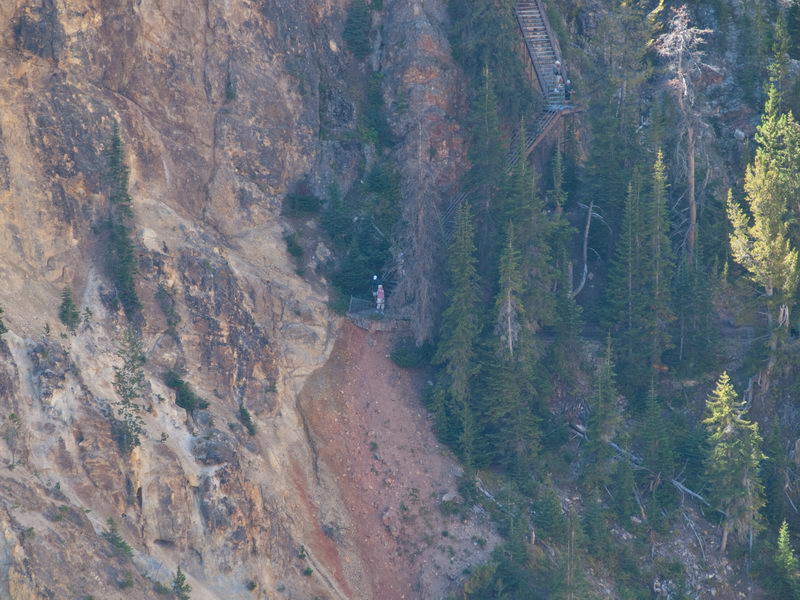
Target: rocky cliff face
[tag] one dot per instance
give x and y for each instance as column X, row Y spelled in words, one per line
column 221, row 106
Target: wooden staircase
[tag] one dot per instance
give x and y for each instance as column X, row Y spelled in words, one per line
column 542, row 47
column 543, row 51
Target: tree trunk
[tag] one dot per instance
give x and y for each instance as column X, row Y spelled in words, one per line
column 692, row 237
column 725, row 531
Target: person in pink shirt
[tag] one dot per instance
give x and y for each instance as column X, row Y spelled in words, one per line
column 380, row 299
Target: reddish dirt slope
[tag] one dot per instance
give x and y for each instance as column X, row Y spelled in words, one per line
column 372, row 433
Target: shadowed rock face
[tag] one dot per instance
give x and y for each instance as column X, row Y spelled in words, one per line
column 38, row 30
column 222, row 107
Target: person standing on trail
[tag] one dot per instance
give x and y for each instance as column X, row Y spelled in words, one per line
column 557, row 68
column 380, row 299
column 374, row 287
column 568, row 90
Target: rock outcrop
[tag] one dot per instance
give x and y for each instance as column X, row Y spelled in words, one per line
column 222, row 107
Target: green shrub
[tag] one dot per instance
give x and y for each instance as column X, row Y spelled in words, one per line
column 375, row 114
column 2, row 325
column 184, row 395
column 160, row 588
column 247, row 420
column 126, row 581
column 407, row 355
column 166, row 302
column 230, row 88
column 68, row 313
column 251, row 585
column 356, row 28
column 299, row 203
column 292, row 246
column 308, row 571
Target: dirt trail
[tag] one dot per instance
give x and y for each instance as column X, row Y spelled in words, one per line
column 374, row 436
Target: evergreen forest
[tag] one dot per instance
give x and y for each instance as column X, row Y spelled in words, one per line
column 614, row 354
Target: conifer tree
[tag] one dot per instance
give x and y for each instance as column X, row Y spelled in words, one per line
column 787, row 563
column 508, row 306
column 356, row 28
column 657, row 451
column 761, row 240
column 623, row 484
column 487, row 156
column 626, row 298
column 696, row 335
column 793, row 29
column 779, row 66
column 120, row 258
column 130, row 385
column 595, row 524
column 460, row 328
column 566, row 345
column 657, row 265
column 180, row 588
column 511, row 427
column 733, row 461
column 68, row 313
column 605, row 418
column 549, row 516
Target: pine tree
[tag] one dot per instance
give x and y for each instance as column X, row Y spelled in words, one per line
column 657, row 265
column 793, row 29
column 518, row 189
column 508, row 306
column 779, row 66
column 356, row 28
column 511, row 427
column 623, row 484
column 487, row 175
column 732, row 464
column 461, row 325
column 566, row 345
column 595, row 524
column 549, row 517
column 68, row 313
column 130, row 385
column 605, row 418
column 657, row 451
column 180, row 588
column 120, row 259
column 787, row 563
column 119, row 174
column 626, row 299
column 696, row 333
column 760, row 240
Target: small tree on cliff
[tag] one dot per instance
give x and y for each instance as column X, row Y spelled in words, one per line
column 180, row 588
column 129, row 383
column 68, row 313
column 3, row 328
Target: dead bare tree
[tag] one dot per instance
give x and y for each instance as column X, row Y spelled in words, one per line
column 680, row 46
